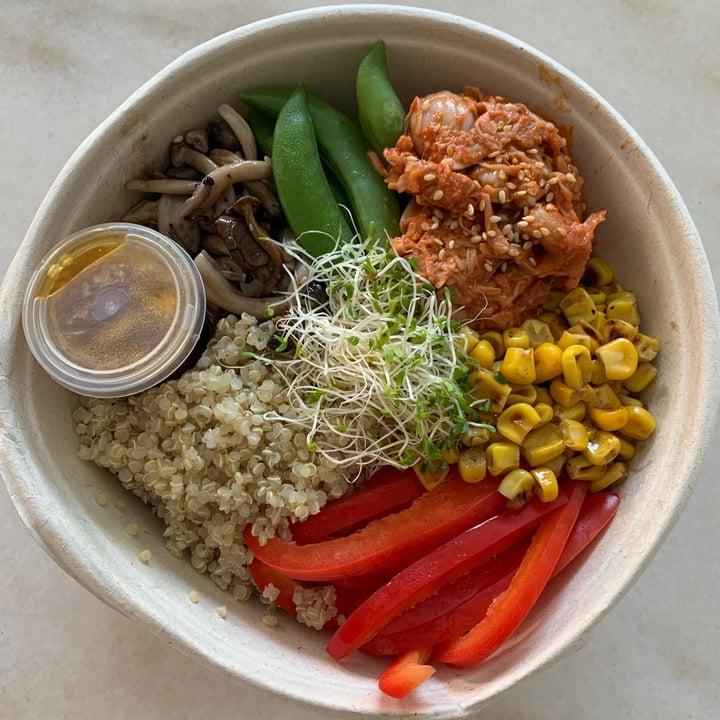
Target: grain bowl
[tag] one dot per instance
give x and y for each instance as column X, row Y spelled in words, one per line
column 111, row 542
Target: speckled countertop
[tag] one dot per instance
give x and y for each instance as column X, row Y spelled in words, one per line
column 65, row 65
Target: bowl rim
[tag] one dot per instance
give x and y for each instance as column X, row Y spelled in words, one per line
column 48, row 535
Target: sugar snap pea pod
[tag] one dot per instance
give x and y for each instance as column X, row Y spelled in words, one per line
column 263, row 127
column 344, row 148
column 381, row 114
column 307, row 201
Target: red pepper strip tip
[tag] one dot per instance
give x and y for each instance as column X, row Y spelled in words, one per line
column 510, row 608
column 406, row 672
column 444, row 564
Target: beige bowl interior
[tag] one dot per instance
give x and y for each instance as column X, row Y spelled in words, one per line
column 649, row 238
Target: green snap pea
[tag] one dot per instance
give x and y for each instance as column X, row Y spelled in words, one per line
column 381, row 114
column 343, row 146
column 306, row 198
column 263, row 127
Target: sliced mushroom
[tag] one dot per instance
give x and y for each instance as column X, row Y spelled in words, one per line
column 198, row 139
column 143, row 213
column 240, row 127
column 221, row 293
column 171, row 223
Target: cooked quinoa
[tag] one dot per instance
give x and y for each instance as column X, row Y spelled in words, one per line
column 206, row 454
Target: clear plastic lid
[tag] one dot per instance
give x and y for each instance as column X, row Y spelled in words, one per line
column 113, row 310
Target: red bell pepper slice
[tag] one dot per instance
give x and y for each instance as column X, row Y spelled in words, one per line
column 263, row 576
column 460, row 605
column 389, row 542
column 444, row 564
column 511, row 607
column 406, row 672
column 389, row 489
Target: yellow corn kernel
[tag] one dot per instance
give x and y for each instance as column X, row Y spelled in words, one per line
column 468, row 339
column 577, row 305
column 430, row 478
column 563, row 394
column 475, row 435
column 647, row 347
column 548, row 362
column 545, row 412
column 546, row 484
column 627, row 450
column 450, row 455
column 501, row 457
column 542, row 395
column 574, row 434
column 615, row 473
column 543, row 444
column 538, row 331
column 556, row 464
column 486, row 384
column 496, row 340
column 576, row 366
column 517, row 485
column 630, row 400
column 580, row 468
column 598, row 272
column 608, row 419
column 640, row 424
column 601, row 396
column 599, row 321
column 603, row 447
column 623, row 306
column 483, row 353
column 472, row 465
column 516, row 421
column 576, row 335
column 576, row 411
column 597, row 372
column 619, row 358
column 515, row 337
column 641, row 378
column 522, row 394
column 598, row 296
column 617, row 328
column 518, row 365
column 555, row 322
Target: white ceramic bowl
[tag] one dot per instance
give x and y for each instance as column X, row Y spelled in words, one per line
column 648, row 237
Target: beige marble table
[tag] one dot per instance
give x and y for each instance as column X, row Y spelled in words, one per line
column 65, row 65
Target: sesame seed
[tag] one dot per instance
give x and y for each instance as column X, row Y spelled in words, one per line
column 438, row 241
column 494, row 154
column 475, row 238
column 507, row 229
column 482, row 205
column 570, row 177
column 425, row 226
column 145, row 556
column 544, row 232
column 503, row 267
column 488, row 266
column 527, row 245
column 194, row 597
column 522, row 223
column 532, row 261
column 441, row 254
column 451, row 245
column 491, row 233
column 514, row 250
column 471, row 209
column 533, row 151
column 536, row 234
column 553, row 180
column 453, row 225
column 450, row 149
column 511, row 185
column 495, row 218
column 550, row 206
column 529, row 218
column 435, row 225
column 550, row 196
column 502, row 196
column 502, row 175
column 438, row 195
column 429, row 177
column 562, row 231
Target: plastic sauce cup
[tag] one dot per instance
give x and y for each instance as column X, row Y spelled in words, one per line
column 113, row 310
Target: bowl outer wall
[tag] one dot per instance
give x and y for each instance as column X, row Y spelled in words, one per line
column 649, row 237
